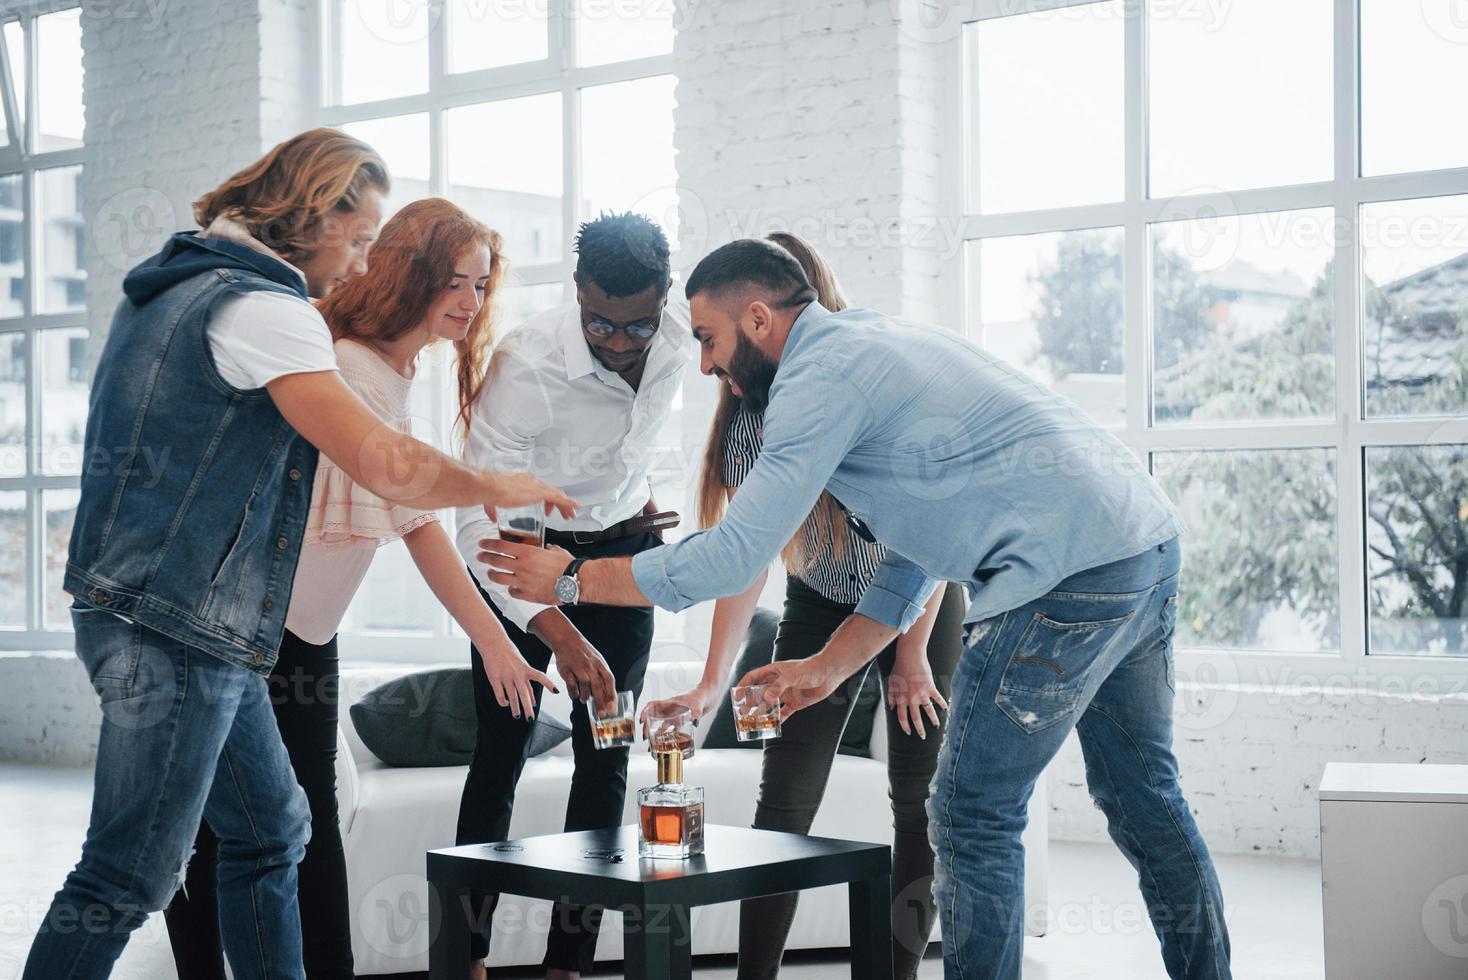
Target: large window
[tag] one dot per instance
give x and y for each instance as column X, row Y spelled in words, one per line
column 43, row 332
column 1237, row 235
column 533, row 116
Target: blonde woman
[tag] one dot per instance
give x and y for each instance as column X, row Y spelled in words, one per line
column 181, row 585
column 828, row 569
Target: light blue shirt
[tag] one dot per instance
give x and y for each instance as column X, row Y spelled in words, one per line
column 967, row 470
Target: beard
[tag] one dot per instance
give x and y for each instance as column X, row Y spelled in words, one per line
column 753, row 372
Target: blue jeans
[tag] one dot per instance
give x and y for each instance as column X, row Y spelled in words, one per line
column 184, row 735
column 1094, row 655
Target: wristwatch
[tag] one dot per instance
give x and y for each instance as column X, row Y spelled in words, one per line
column 568, row 590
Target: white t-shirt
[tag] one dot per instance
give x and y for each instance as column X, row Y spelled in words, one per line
column 347, row 523
column 259, row 336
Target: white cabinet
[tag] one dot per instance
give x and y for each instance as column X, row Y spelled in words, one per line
column 1394, row 871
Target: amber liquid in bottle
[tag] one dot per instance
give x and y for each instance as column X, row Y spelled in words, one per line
column 671, row 813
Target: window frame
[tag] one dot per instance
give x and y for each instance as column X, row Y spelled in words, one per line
column 559, row 73
column 1349, row 433
column 18, row 157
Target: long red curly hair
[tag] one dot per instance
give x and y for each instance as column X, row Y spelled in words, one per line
column 409, row 265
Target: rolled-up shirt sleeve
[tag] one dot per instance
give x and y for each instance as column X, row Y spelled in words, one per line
column 897, row 593
column 813, row 419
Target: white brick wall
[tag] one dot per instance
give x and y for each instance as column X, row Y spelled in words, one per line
column 48, row 712
column 821, row 120
column 1251, row 756
column 179, row 95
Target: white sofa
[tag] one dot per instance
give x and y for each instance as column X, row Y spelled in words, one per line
column 391, row 816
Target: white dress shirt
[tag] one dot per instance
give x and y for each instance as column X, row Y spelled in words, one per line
column 550, row 408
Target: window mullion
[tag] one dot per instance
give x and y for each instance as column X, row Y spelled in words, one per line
column 35, row 523
column 1350, row 485
column 437, row 45
column 32, row 94
column 570, row 124
column 438, row 165
column 1136, row 310
column 561, row 23
column 11, row 107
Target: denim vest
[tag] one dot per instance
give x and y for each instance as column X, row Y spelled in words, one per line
column 194, row 494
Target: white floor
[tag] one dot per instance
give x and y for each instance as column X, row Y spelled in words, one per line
column 1099, row 927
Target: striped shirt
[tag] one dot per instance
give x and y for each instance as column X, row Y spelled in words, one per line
column 840, row 580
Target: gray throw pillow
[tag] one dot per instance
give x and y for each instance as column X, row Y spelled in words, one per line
column 427, row 719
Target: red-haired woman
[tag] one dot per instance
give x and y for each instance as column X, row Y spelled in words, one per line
column 431, row 277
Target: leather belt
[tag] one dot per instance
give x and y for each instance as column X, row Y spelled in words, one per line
column 622, row 529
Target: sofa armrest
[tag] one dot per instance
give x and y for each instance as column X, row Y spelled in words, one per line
column 348, row 788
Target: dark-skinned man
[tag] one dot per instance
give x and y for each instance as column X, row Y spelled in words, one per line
column 576, row 396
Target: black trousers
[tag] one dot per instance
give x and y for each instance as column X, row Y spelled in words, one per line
column 303, row 690
column 623, row 636
column 797, row 765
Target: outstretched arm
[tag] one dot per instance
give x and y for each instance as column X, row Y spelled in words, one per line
column 394, row 466
column 509, row 675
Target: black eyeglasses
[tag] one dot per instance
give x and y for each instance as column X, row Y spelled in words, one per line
column 641, row 330
column 857, row 525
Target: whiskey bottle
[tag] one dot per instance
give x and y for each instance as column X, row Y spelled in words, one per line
column 671, row 812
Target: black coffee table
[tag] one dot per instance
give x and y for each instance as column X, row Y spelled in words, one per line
column 601, row 867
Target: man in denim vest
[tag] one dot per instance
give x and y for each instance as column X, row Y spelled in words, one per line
column 217, row 362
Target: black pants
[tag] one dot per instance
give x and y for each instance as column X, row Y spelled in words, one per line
column 623, row 636
column 796, row 766
column 303, row 690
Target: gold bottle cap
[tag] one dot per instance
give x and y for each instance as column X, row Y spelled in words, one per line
column 670, row 766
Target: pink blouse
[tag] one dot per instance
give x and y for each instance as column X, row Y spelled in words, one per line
column 347, row 523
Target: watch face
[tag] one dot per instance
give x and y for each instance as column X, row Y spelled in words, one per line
column 567, row 589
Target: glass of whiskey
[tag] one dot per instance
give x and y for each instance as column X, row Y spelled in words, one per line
column 668, row 727
column 523, row 525
column 670, row 813
column 753, row 719
column 612, row 725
